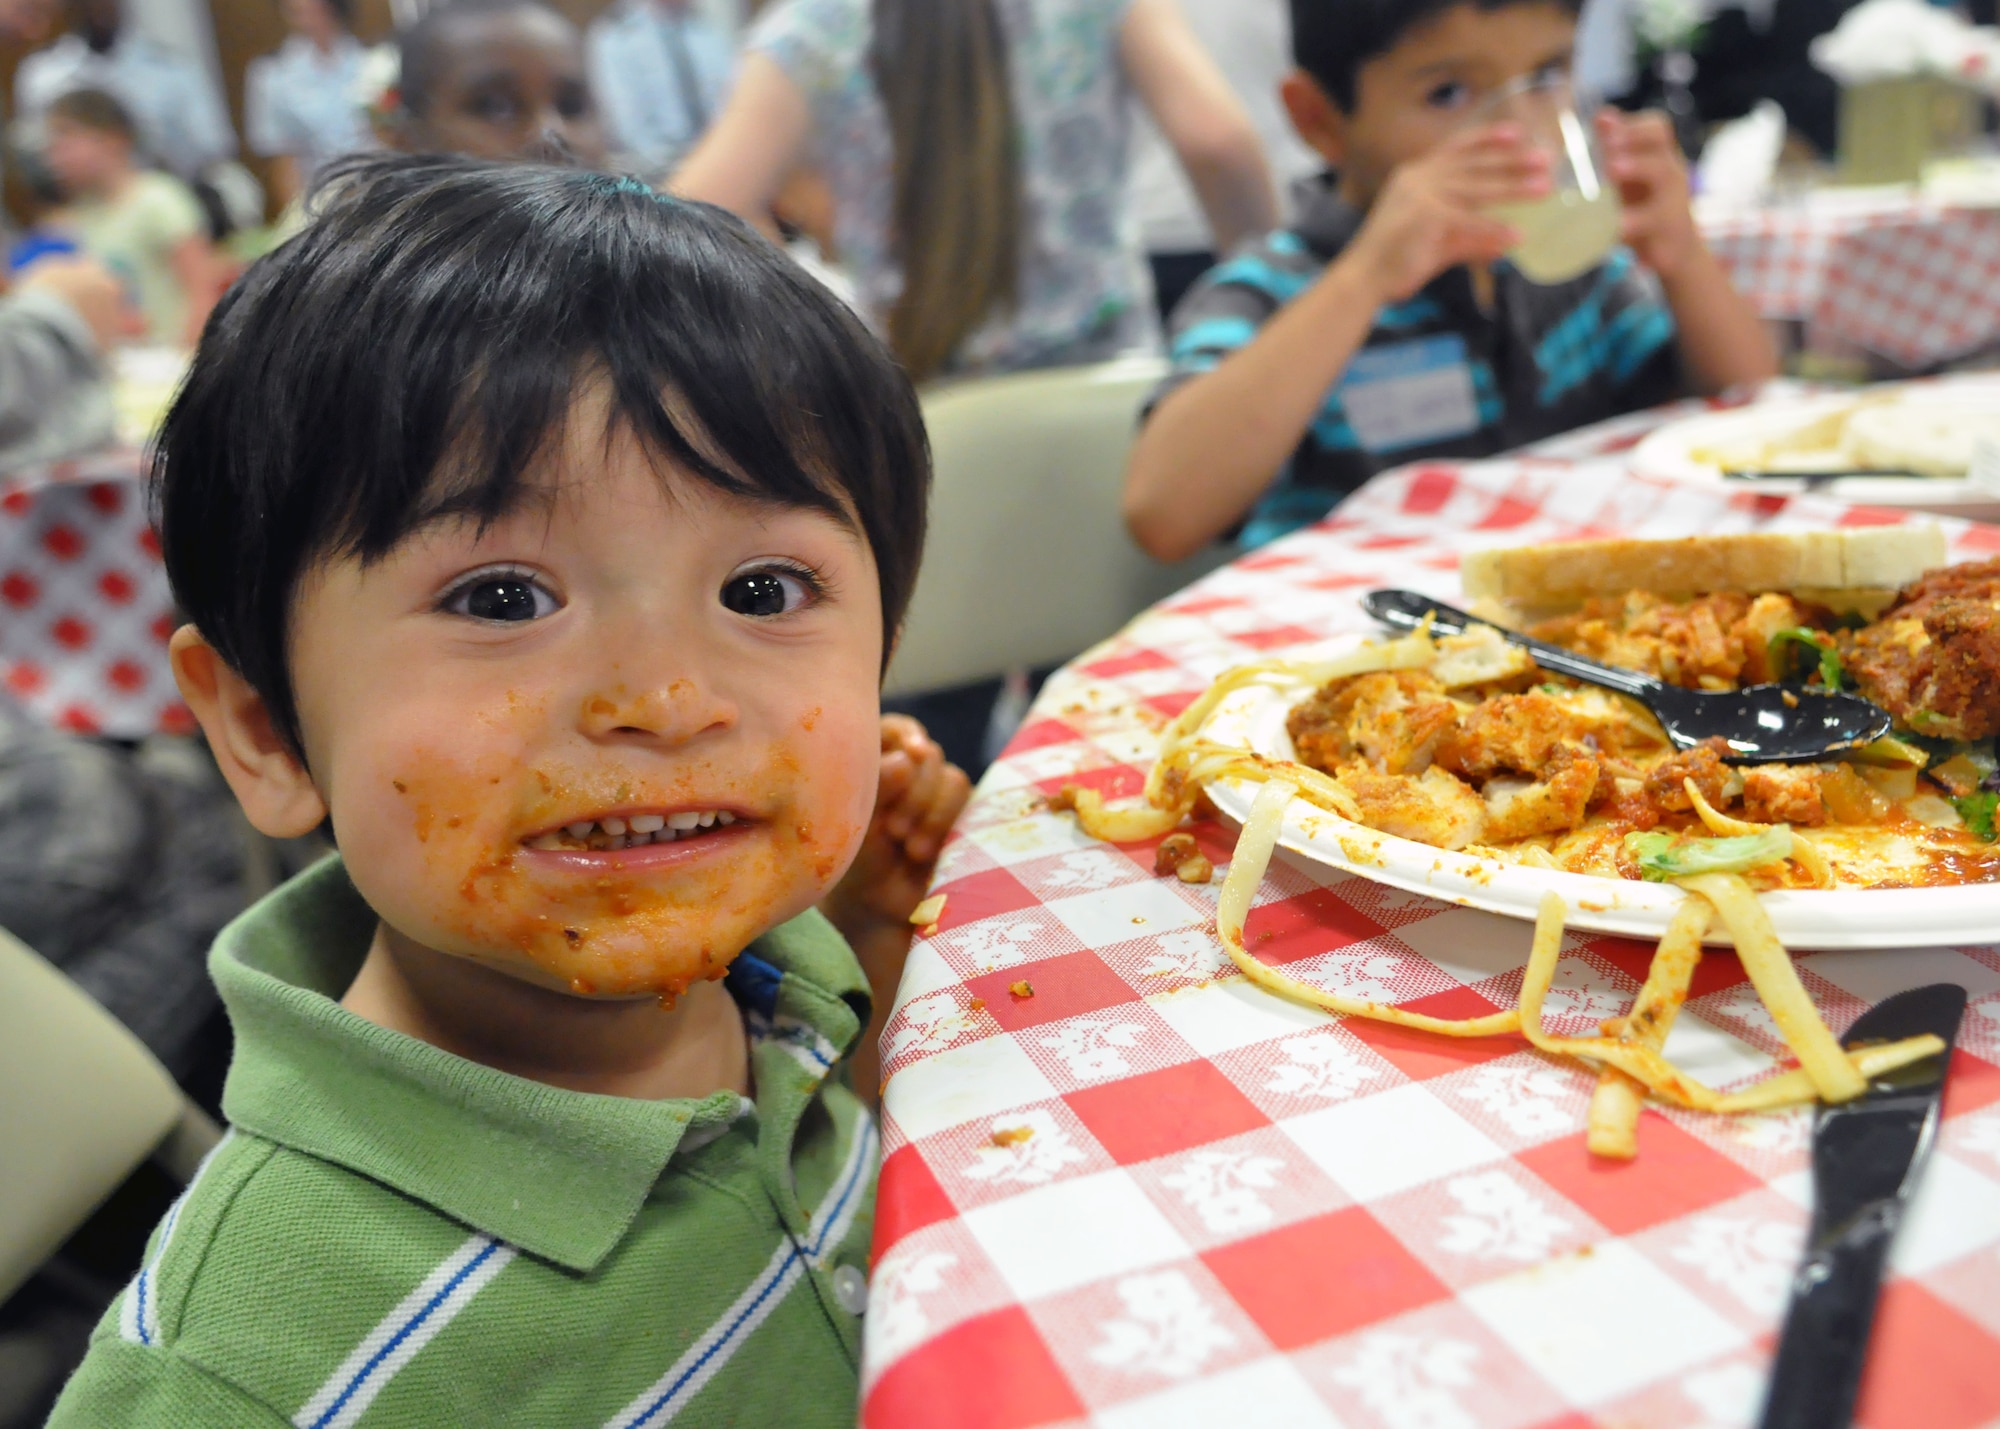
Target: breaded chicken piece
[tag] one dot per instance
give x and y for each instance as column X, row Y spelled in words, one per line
column 1555, row 805
column 1391, row 720
column 1712, row 642
column 1783, row 794
column 1435, row 809
column 1516, row 734
column 1703, row 764
column 1934, row 663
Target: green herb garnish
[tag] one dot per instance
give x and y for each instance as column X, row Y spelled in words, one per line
column 1818, row 642
column 1978, row 811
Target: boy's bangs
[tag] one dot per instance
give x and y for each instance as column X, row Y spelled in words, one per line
column 698, row 381
column 506, row 440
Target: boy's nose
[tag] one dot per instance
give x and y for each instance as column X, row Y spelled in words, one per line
column 680, row 710
column 552, row 144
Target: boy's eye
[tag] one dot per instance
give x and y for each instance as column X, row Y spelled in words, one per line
column 502, row 597
column 764, row 593
column 573, row 102
column 494, row 107
column 1451, row 94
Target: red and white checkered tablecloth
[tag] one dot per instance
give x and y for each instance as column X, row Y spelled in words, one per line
column 1917, row 282
column 85, row 610
column 1151, row 1195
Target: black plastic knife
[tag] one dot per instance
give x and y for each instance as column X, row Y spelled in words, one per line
column 1866, row 1158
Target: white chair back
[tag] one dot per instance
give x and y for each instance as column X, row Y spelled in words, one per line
column 82, row 1103
column 1028, row 561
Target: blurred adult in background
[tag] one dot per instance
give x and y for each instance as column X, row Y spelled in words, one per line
column 1251, row 43
column 496, row 79
column 662, row 70
column 146, row 226
column 299, row 107
column 977, row 153
column 176, row 110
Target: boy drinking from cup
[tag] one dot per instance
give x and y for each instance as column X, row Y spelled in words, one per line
column 1385, row 326
column 544, row 538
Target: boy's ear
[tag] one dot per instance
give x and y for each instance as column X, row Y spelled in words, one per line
column 276, row 792
column 1316, row 118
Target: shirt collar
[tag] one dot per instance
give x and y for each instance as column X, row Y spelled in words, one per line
column 560, row 1174
column 1326, row 221
column 297, row 49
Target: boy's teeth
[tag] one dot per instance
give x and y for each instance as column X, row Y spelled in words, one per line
column 616, row 833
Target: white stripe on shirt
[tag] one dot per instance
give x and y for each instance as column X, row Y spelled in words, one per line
column 835, row 1216
column 673, row 1391
column 404, row 1331
column 704, row 1359
column 139, row 1314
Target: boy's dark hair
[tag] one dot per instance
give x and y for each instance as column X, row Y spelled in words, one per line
column 95, row 109
column 421, row 48
column 410, row 354
column 1333, row 39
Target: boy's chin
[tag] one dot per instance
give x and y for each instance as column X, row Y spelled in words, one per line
column 631, row 964
column 654, row 953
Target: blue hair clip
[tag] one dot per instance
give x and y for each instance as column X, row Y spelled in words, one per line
column 625, row 184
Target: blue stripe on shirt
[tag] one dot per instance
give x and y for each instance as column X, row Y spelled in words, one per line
column 1212, row 335
column 1632, row 338
column 1250, row 271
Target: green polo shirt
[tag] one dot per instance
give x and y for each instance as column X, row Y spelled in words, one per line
column 394, row 1236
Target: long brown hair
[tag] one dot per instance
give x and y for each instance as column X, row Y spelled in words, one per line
column 941, row 67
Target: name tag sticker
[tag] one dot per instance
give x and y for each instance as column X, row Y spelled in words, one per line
column 1410, row 394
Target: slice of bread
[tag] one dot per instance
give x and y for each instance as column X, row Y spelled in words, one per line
column 1865, row 562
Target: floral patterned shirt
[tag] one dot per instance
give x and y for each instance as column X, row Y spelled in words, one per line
column 1085, row 293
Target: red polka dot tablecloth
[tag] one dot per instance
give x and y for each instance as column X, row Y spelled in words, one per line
column 1149, row 1194
column 85, row 611
column 1915, row 281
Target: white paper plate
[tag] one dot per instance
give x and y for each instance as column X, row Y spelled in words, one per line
column 1823, row 920
column 1669, row 453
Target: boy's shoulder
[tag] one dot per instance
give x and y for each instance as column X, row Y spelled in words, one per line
column 258, row 1283
column 1271, row 270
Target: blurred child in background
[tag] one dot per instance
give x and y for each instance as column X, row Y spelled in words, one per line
column 495, row 79
column 145, row 226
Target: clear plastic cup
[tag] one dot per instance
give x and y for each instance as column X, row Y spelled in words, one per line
column 1575, row 226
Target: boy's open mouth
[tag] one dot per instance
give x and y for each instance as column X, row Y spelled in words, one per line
column 611, row 832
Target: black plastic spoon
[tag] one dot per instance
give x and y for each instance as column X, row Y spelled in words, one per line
column 1762, row 724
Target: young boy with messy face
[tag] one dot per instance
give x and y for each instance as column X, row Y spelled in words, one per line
column 574, row 639
column 1383, row 327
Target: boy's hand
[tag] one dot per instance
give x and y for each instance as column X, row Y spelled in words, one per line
column 1431, row 215
column 1642, row 157
column 919, row 798
column 94, row 291
column 916, row 803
